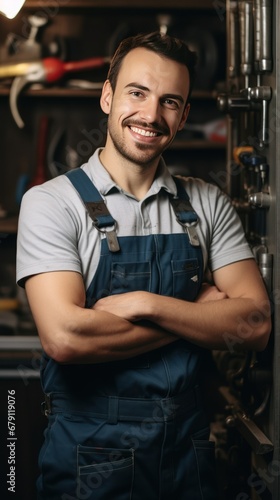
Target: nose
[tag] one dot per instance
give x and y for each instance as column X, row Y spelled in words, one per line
column 150, row 111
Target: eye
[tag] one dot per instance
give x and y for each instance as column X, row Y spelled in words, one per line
column 170, row 103
column 136, row 93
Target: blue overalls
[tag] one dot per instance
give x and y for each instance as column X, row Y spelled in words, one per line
column 133, row 429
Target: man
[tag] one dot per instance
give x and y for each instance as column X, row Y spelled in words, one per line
column 113, row 269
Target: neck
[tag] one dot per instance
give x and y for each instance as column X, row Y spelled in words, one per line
column 129, row 176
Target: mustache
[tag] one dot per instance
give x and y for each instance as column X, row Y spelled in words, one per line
column 154, row 126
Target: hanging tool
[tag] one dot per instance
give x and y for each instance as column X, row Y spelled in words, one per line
column 48, row 70
column 17, row 49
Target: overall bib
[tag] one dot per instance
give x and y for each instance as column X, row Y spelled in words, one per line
column 133, row 429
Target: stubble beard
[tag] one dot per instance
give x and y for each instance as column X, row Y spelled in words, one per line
column 143, row 157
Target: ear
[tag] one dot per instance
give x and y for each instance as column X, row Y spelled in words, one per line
column 106, row 97
column 184, row 116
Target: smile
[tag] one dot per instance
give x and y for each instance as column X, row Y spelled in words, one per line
column 145, row 133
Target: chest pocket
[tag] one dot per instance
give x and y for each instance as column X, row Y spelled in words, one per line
column 130, row 276
column 133, row 276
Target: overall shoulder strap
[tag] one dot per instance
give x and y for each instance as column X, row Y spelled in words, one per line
column 91, row 198
column 95, row 205
column 182, row 206
column 185, row 214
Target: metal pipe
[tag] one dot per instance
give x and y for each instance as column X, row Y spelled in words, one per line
column 266, row 36
column 246, row 38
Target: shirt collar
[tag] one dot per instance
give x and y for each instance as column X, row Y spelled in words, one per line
column 105, row 184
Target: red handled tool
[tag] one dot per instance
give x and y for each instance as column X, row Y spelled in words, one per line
column 54, row 69
column 48, row 70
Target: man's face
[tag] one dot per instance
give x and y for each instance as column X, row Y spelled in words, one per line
column 148, row 105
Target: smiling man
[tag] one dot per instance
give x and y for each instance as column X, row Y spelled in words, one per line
column 113, row 257
column 146, row 107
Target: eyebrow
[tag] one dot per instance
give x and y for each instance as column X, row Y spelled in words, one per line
column 178, row 97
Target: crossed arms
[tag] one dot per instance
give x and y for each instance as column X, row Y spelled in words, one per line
column 234, row 314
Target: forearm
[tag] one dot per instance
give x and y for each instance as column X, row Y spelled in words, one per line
column 70, row 333
column 236, row 323
column 87, row 336
column 233, row 315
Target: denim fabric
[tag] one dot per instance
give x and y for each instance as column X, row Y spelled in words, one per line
column 93, row 454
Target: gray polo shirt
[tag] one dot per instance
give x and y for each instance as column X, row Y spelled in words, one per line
column 56, row 233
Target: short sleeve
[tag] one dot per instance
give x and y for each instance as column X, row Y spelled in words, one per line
column 47, row 234
column 228, row 242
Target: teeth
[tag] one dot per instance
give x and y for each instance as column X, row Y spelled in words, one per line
column 146, row 133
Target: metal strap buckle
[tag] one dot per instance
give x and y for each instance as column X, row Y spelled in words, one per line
column 111, row 237
column 192, row 234
column 46, row 405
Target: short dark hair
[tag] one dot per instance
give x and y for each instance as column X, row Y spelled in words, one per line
column 165, row 45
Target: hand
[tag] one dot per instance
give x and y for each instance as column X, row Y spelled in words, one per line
column 130, row 306
column 210, row 292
